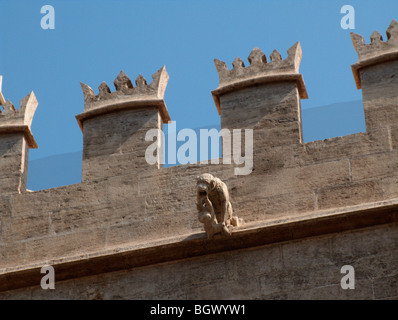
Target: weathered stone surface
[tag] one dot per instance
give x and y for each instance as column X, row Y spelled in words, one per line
column 287, row 191
column 136, row 230
column 357, row 144
column 12, row 254
column 26, row 227
column 115, row 143
column 64, row 245
column 13, row 163
column 363, row 291
column 132, row 215
column 67, row 197
column 390, row 186
column 346, row 246
column 376, row 165
column 83, row 218
column 394, row 136
column 307, row 269
column 280, row 106
column 15, row 140
column 350, row 194
column 379, row 87
column 5, row 206
column 386, row 287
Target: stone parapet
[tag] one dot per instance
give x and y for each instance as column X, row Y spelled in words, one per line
column 260, row 72
column 126, row 96
column 376, row 52
column 12, row 120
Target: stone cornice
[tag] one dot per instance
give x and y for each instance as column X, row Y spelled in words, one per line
column 194, row 245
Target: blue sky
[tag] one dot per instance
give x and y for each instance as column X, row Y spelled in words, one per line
column 94, row 40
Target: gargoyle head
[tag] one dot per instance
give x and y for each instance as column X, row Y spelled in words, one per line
column 204, row 183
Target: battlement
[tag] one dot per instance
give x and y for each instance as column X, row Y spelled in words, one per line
column 20, row 120
column 376, row 51
column 128, row 213
column 260, row 71
column 126, row 95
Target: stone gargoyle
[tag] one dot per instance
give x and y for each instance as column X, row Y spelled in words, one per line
column 214, row 208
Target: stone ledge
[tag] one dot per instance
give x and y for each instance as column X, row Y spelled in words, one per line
column 240, row 84
column 16, row 128
column 385, row 57
column 109, row 106
column 195, row 245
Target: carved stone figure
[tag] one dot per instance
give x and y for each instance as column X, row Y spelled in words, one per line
column 214, row 208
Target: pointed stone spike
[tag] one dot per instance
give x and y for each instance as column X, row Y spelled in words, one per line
column 122, row 81
column 28, row 108
column 222, row 69
column 88, row 93
column 8, row 107
column 257, row 57
column 376, row 37
column 2, row 101
column 104, row 89
column 221, row 66
column 160, row 75
column 392, row 29
column 357, row 40
column 140, row 81
column 159, row 81
column 275, row 56
column 295, row 50
column 238, row 63
column 28, row 101
column 295, row 53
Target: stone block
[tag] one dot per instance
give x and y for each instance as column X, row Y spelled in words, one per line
column 25, row 227
column 358, row 144
column 390, row 187
column 349, row 246
column 257, row 261
column 114, row 143
column 239, row 289
column 139, row 227
column 379, row 87
column 293, row 280
column 363, row 291
column 13, row 163
column 307, row 254
column 375, row 166
column 5, row 206
column 394, row 136
column 272, row 103
column 379, row 265
column 288, row 190
column 84, row 218
column 350, row 194
column 386, row 287
column 12, row 254
column 67, row 197
column 65, row 245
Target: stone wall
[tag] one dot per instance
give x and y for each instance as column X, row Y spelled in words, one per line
column 123, row 201
column 304, row 269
